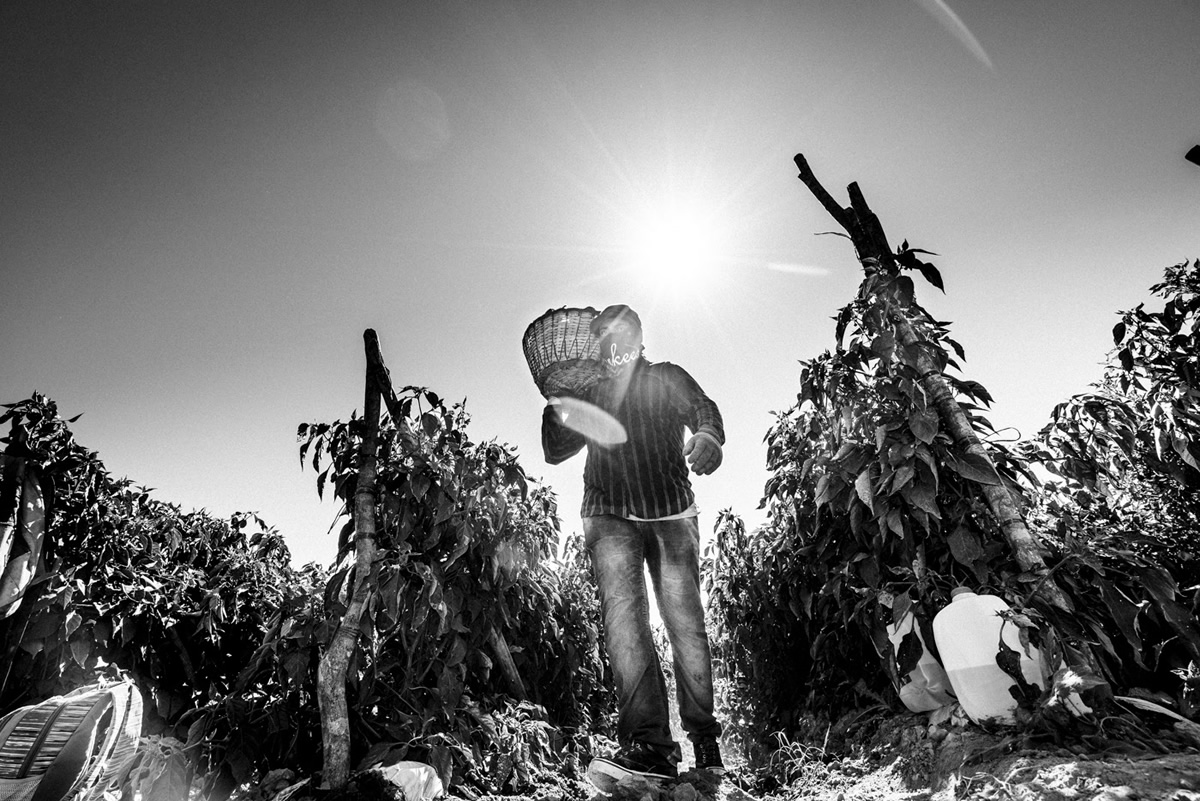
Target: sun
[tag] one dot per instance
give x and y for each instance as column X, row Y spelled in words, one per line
column 675, row 243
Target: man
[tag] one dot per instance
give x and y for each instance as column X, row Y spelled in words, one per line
column 639, row 510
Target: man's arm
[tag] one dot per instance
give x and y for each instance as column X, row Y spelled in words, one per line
column 701, row 415
column 699, row 412
column 559, row 443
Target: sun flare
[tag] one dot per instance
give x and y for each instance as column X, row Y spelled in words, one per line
column 675, row 243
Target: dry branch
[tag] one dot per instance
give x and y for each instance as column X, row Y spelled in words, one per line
column 507, row 666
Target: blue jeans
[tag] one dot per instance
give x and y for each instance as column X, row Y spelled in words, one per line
column 619, row 549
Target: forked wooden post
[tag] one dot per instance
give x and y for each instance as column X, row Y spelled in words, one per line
column 874, row 252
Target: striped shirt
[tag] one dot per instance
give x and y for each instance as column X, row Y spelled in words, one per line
column 646, row 477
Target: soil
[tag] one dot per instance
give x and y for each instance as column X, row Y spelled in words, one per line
column 905, row 757
column 908, row 757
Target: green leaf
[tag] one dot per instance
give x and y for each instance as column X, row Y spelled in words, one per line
column 101, row 633
column 458, row 652
column 1126, row 358
column 931, row 275
column 1125, row 614
column 430, row 424
column 965, row 546
column 1118, row 333
column 909, row 653
column 973, row 467
column 295, row 666
column 924, row 426
column 1183, row 448
column 863, row 487
column 868, row 569
column 825, row 490
column 922, row 495
column 858, row 514
column 895, row 523
column 81, row 649
column 128, row 630
column 1162, row 589
column 843, row 320
column 901, row 453
column 901, row 606
column 321, row 479
column 1009, row 661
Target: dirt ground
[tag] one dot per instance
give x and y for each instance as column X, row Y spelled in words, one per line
column 906, row 758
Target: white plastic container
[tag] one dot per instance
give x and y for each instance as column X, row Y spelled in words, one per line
column 926, row 686
column 967, row 632
column 418, row 781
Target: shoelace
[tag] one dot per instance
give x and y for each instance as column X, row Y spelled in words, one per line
column 708, row 754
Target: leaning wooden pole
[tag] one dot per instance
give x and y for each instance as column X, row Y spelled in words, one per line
column 335, row 662
column 874, row 253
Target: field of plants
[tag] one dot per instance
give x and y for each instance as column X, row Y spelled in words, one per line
column 455, row 628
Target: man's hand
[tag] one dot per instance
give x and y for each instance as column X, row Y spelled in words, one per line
column 703, row 453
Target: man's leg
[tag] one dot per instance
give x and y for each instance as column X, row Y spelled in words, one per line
column 673, row 553
column 618, row 551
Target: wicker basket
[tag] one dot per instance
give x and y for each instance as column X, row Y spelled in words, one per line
column 563, row 356
column 76, row 746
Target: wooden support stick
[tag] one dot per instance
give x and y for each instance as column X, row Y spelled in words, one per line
column 331, row 673
column 507, row 666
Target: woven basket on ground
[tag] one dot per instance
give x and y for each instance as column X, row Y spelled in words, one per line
column 76, row 746
column 563, row 356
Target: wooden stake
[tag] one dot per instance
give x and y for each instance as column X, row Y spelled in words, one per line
column 331, row 673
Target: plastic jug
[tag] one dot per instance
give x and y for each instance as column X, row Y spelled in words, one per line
column 967, row 632
column 418, row 781
column 926, row 686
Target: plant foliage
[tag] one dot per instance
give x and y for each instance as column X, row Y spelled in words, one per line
column 179, row 601
column 1126, row 451
column 872, row 508
column 224, row 637
column 874, row 511
column 465, row 555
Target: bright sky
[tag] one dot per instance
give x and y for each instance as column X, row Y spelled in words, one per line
column 204, row 204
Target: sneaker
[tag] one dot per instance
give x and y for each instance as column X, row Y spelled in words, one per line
column 708, row 756
column 605, row 773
